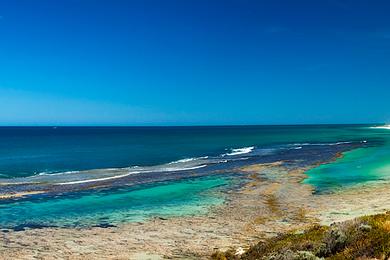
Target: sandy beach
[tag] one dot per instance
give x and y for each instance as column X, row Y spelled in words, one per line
column 272, row 201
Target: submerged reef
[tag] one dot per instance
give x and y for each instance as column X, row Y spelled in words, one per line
column 366, row 237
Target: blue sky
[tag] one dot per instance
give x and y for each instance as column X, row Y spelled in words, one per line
column 175, row 62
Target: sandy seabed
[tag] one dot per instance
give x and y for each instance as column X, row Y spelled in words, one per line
column 272, row 201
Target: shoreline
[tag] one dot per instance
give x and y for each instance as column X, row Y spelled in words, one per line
column 272, row 201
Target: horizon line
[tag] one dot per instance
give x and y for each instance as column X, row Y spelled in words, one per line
column 200, row 125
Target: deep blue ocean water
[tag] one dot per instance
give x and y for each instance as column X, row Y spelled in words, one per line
column 26, row 151
column 143, row 172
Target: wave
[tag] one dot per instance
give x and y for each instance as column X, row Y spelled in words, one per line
column 188, row 160
column 323, row 144
column 339, row 143
column 185, row 164
column 381, row 127
column 128, row 174
column 181, row 165
column 175, row 169
column 239, row 151
column 93, row 180
column 56, row 173
column 96, row 175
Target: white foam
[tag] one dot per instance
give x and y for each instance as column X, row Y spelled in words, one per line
column 184, row 160
column 192, row 168
column 176, row 169
column 381, row 127
column 303, row 144
column 128, row 174
column 189, row 160
column 54, row 174
column 238, row 151
column 96, row 175
column 321, row 144
column 338, row 143
column 94, row 180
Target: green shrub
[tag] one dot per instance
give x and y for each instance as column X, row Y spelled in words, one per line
column 365, row 237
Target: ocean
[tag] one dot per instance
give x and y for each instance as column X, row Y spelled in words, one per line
column 102, row 176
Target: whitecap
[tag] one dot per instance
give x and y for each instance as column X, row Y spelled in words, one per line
column 381, row 127
column 339, row 143
column 55, row 173
column 321, row 144
column 96, row 175
column 93, row 180
column 185, row 160
column 239, row 151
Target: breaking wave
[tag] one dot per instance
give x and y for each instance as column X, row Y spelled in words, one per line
column 239, row 151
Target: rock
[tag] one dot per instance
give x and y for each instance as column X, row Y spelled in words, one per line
column 239, row 251
column 305, row 255
column 365, row 228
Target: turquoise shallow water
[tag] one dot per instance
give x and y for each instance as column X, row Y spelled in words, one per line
column 362, row 165
column 107, row 176
column 176, row 198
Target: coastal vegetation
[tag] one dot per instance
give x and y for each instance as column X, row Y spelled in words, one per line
column 366, row 237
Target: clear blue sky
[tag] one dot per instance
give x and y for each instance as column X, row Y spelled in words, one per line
column 175, row 62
